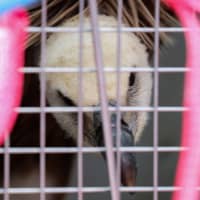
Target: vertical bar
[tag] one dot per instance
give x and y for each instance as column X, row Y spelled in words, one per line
column 6, row 169
column 43, row 102
column 156, row 99
column 80, row 103
column 118, row 142
column 103, row 100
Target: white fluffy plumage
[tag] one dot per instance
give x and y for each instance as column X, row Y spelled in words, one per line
column 63, row 51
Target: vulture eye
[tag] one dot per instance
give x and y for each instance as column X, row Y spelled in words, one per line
column 131, row 79
column 65, row 99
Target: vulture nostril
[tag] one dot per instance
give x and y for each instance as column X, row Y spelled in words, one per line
column 65, row 99
column 131, row 79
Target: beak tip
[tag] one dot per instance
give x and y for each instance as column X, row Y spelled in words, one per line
column 129, row 181
column 128, row 169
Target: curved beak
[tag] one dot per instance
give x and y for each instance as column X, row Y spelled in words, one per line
column 128, row 160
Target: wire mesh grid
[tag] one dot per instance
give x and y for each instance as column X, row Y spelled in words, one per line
column 113, row 172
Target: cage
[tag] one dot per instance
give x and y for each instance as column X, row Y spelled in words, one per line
column 40, row 161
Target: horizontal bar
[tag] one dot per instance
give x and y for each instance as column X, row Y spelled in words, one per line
column 53, row 150
column 34, row 29
column 50, row 190
column 151, row 189
column 106, row 69
column 94, row 109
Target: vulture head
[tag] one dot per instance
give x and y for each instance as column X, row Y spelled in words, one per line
column 135, row 88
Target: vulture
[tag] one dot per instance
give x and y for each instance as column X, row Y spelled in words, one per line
column 62, row 89
column 62, row 49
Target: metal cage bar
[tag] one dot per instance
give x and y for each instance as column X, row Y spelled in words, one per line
column 110, row 29
column 156, row 100
column 6, row 170
column 80, row 104
column 43, row 102
column 103, row 100
column 74, row 190
column 118, row 92
column 60, row 150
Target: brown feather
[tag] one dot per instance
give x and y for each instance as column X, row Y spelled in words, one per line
column 136, row 13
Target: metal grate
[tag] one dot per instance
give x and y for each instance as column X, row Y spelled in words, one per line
column 114, row 188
